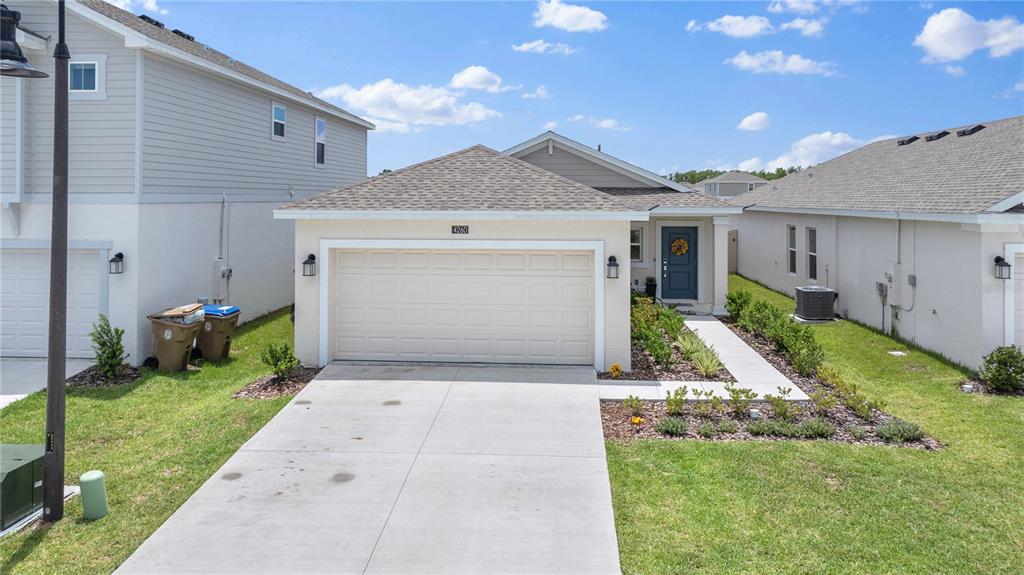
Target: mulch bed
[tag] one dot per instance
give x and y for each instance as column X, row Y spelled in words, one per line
column 985, row 389
column 92, row 377
column 272, row 387
column 644, row 368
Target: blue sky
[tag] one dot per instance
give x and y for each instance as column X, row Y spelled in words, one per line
column 664, row 85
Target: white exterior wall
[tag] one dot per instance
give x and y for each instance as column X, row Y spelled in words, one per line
column 957, row 308
column 308, row 234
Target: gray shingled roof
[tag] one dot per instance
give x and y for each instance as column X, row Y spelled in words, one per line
column 954, row 174
column 165, row 36
column 734, row 176
column 474, row 179
column 647, row 199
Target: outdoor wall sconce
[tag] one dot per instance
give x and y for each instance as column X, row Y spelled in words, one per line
column 116, row 264
column 613, row 268
column 309, row 266
column 1002, row 268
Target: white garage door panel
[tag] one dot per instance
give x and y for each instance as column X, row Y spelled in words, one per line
column 24, row 301
column 471, row 306
column 1018, row 300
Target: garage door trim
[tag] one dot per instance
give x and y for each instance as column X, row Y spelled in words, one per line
column 1010, row 252
column 326, row 245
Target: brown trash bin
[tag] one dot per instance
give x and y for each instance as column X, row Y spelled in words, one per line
column 214, row 339
column 173, row 338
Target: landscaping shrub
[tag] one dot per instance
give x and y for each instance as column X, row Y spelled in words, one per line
column 899, row 431
column 675, row 401
column 803, row 348
column 674, row 426
column 816, row 428
column 823, row 401
column 106, row 343
column 633, row 405
column 659, row 349
column 857, row 432
column 706, row 361
column 772, row 427
column 706, row 430
column 727, row 426
column 739, row 399
column 737, row 301
column 643, row 315
column 849, row 394
column 280, row 358
column 615, row 370
column 1003, row 369
column 761, row 317
column 670, row 321
column 689, row 344
column 782, row 408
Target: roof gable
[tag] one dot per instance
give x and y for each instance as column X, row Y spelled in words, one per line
column 734, row 176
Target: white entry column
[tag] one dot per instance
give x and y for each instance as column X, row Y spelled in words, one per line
column 721, row 268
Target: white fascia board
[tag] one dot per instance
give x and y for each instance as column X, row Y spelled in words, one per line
column 286, row 214
column 600, row 158
column 1012, row 201
column 986, row 218
column 696, row 211
column 133, row 39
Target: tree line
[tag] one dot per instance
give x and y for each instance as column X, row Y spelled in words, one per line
column 694, row 176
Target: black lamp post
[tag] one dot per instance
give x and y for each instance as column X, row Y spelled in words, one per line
column 15, row 64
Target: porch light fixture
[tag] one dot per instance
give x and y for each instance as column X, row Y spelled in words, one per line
column 116, row 264
column 12, row 60
column 309, row 266
column 1002, row 268
column 613, row 268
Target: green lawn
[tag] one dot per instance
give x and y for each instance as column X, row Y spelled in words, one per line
column 157, row 440
column 817, row 507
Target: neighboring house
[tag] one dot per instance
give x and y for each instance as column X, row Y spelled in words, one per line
column 731, row 184
column 907, row 230
column 178, row 156
column 482, row 256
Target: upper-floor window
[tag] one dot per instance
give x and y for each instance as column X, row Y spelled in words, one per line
column 320, row 140
column 279, row 116
column 636, row 244
column 750, row 187
column 791, row 249
column 812, row 253
column 82, row 76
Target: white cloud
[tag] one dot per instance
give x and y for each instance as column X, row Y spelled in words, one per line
column 952, row 34
column 541, row 93
column 776, row 62
column 813, row 28
column 568, row 17
column 955, row 70
column 479, row 78
column 797, row 6
column 1012, row 91
column 398, row 107
column 601, row 123
column 544, row 47
column 807, row 151
column 550, row 125
column 132, row 5
column 740, row 26
column 755, row 122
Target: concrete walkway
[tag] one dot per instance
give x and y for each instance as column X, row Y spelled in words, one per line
column 748, row 367
column 391, row 469
column 20, row 376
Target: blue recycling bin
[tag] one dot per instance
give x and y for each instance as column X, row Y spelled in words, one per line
column 219, row 324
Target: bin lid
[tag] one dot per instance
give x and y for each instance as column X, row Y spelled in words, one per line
column 180, row 311
column 220, row 310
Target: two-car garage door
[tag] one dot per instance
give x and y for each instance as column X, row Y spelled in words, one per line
column 463, row 306
column 24, row 301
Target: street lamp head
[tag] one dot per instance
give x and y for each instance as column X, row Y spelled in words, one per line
column 13, row 62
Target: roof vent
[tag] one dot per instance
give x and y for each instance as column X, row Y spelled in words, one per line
column 905, row 141
column 184, row 35
column 972, row 130
column 936, row 136
column 152, row 21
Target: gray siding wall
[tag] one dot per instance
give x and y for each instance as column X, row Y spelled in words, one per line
column 580, row 169
column 102, row 131
column 208, row 135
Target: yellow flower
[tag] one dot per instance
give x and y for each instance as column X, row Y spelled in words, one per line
column 637, row 420
column 615, row 371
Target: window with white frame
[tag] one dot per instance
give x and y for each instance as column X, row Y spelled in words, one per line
column 636, row 244
column 791, row 249
column 87, row 77
column 320, row 141
column 750, row 187
column 278, row 118
column 82, row 76
column 812, row 253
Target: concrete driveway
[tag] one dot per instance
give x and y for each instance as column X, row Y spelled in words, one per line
column 393, row 469
column 20, row 376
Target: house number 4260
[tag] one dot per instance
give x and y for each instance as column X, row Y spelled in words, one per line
column 460, row 229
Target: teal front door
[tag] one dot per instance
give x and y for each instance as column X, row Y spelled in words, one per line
column 679, row 263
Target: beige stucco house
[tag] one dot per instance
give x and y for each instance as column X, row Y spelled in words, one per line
column 523, row 256
column 908, row 231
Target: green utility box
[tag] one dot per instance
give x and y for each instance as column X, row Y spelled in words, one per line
column 21, row 482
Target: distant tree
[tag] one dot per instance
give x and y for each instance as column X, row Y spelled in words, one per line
column 384, row 172
column 695, row 176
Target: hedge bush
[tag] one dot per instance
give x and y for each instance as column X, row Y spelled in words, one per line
column 795, row 340
column 1003, row 369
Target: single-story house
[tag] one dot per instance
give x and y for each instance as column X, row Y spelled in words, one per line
column 524, row 257
column 915, row 233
